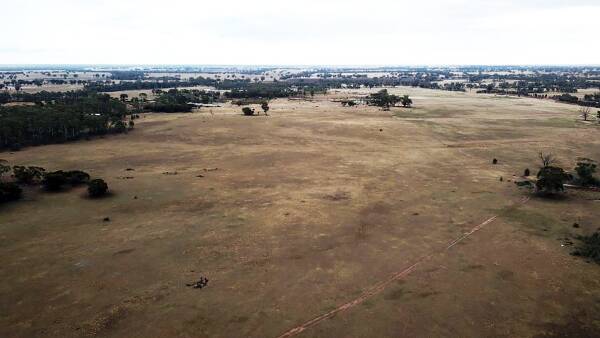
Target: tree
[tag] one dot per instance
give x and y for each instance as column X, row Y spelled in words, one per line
column 77, row 177
column 547, row 159
column 265, row 107
column 247, row 111
column 27, row 175
column 119, row 127
column 585, row 112
column 383, row 99
column 585, row 170
column 53, row 181
column 551, row 180
column 123, row 97
column 406, row 101
column 97, row 188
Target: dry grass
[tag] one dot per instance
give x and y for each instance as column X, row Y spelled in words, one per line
column 308, row 208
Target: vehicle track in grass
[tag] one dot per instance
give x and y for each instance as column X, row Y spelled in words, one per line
column 382, row 285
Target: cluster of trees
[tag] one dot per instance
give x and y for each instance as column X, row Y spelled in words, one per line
column 11, row 186
column 551, row 178
column 246, row 90
column 127, row 75
column 110, row 86
column 264, row 105
column 386, row 100
column 57, row 119
column 589, row 100
column 565, row 81
column 43, row 97
column 175, row 100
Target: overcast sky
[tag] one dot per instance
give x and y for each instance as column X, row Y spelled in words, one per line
column 307, row 32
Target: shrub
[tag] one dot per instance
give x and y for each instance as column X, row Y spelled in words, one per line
column 53, row 181
column 27, row 175
column 590, row 247
column 9, row 191
column 585, row 170
column 97, row 188
column 247, row 111
column 526, row 173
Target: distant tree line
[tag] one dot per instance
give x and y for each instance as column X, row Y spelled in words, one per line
column 141, row 85
column 179, row 100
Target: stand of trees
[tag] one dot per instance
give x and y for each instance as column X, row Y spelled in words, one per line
column 175, row 100
column 56, row 119
column 139, row 85
column 11, row 186
column 385, row 100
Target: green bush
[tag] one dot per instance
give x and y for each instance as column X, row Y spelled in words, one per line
column 9, row 191
column 97, row 188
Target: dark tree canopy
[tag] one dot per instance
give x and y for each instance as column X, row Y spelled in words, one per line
column 9, row 191
column 97, row 188
column 551, row 180
column 60, row 119
column 383, row 99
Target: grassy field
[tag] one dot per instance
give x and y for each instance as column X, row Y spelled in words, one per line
column 292, row 215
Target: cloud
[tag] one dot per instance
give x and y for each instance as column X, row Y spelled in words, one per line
column 307, row 32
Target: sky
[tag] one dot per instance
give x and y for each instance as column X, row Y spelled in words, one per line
column 307, row 32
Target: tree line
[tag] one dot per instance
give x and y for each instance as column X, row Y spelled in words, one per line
column 63, row 118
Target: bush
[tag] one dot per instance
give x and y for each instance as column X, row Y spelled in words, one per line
column 27, row 175
column 585, row 172
column 9, row 191
column 53, row 181
column 97, row 188
column 247, row 111
column 77, row 177
column 590, row 247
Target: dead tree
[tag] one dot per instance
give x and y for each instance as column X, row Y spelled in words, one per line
column 585, row 112
column 547, row 159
